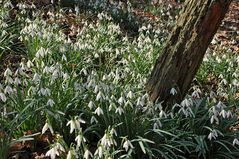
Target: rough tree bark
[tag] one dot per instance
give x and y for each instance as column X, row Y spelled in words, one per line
column 185, row 48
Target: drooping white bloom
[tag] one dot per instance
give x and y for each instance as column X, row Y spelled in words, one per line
column 130, row 95
column 93, row 120
column 8, row 72
column 3, row 97
column 162, row 114
column 223, row 113
column 173, row 91
column 17, row 81
column 69, row 155
column 99, row 96
column 79, row 139
column 214, row 118
column 87, row 154
column 127, row 144
column 91, row 105
column 212, row 135
column 46, row 127
column 75, row 124
column 8, row 90
column 99, row 152
column 186, row 102
column 119, row 110
column 235, row 142
column 99, row 111
column 121, row 100
column 50, row 102
column 53, row 152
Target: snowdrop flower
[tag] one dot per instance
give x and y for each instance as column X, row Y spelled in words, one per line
column 99, row 96
column 214, row 118
column 130, row 95
column 69, row 155
column 8, row 72
column 93, row 120
column 105, row 77
column 195, row 94
column 3, row 97
column 223, row 113
column 107, row 141
column 121, row 100
column 113, row 132
column 186, row 103
column 235, row 142
column 50, row 102
column 36, row 78
column 127, row 144
column 229, row 114
column 46, row 127
column 8, row 90
column 119, row 110
column 75, row 124
column 212, row 135
column 173, row 91
column 79, row 139
column 157, row 125
column 99, row 152
column 17, row 81
column 53, row 152
column 99, row 111
column 162, row 114
column 87, row 154
column 91, row 105
column 29, row 64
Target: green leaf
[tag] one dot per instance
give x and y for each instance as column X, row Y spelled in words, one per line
column 142, row 147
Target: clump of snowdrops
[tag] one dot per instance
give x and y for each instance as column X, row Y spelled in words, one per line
column 88, row 92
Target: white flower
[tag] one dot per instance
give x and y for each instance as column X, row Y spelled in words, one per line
column 99, row 111
column 195, row 94
column 79, row 138
column 29, row 64
column 8, row 90
column 50, row 102
column 186, row 103
column 235, row 142
column 47, row 126
column 113, row 132
column 99, row 96
column 162, row 114
column 53, row 152
column 212, row 135
column 121, row 100
column 17, row 81
column 119, row 110
column 127, row 144
column 130, row 95
column 3, row 97
column 173, row 91
column 8, row 72
column 75, row 124
column 91, row 105
column 214, row 118
column 99, row 152
column 223, row 113
column 36, row 78
column 229, row 114
column 69, row 155
column 93, row 120
column 87, row 154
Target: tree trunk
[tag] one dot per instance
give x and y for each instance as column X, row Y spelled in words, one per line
column 185, row 48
